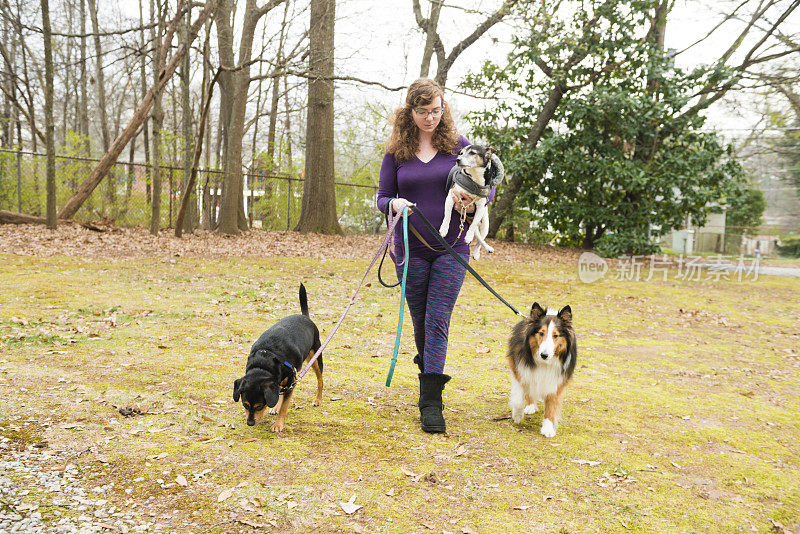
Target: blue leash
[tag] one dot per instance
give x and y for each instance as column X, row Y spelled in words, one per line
column 402, row 296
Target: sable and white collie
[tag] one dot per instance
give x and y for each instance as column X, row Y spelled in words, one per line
column 542, row 352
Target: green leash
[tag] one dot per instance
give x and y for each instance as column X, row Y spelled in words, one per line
column 402, row 297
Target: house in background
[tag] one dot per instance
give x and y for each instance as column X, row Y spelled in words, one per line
column 693, row 239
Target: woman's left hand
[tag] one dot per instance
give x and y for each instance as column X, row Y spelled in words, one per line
column 460, row 200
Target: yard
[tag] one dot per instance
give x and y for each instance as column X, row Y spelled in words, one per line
column 684, row 414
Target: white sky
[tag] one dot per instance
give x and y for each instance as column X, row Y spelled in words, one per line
column 377, row 40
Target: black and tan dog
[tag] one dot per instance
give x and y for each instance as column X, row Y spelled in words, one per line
column 542, row 352
column 272, row 366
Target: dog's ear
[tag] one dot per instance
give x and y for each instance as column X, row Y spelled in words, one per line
column 537, row 312
column 565, row 314
column 488, row 154
column 236, row 384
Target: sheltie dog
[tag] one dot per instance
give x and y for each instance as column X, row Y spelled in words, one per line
column 542, row 352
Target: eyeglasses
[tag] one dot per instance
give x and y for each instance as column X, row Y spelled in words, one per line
column 436, row 112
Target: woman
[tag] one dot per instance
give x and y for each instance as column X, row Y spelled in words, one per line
column 420, row 153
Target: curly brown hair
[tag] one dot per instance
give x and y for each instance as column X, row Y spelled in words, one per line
column 403, row 144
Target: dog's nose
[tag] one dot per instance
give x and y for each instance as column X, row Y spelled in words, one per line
column 250, row 422
column 544, row 355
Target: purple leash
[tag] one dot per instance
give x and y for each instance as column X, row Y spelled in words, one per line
column 392, row 224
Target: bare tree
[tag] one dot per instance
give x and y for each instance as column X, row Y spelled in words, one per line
column 48, row 113
column 319, row 193
column 433, row 42
column 157, row 115
column 101, row 169
column 190, row 220
column 234, row 86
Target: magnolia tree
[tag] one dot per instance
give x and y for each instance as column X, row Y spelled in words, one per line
column 601, row 133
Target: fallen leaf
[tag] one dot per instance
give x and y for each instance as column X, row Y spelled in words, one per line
column 350, row 507
column 523, row 507
column 226, row 494
column 590, row 463
column 180, row 479
column 71, row 426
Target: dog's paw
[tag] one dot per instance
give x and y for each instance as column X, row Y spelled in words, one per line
column 469, row 236
column 517, row 414
column 273, row 411
column 489, row 249
column 476, row 254
column 548, row 430
column 316, row 402
column 530, row 409
column 443, row 230
column 277, row 426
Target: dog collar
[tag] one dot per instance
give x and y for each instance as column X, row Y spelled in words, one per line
column 290, row 384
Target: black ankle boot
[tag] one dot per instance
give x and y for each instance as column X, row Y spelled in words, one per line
column 430, row 403
column 420, row 363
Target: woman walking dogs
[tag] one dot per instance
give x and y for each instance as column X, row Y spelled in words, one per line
column 420, row 153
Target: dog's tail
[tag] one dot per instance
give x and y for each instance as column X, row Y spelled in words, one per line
column 303, row 300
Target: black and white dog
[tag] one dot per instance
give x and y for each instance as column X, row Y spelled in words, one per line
column 477, row 170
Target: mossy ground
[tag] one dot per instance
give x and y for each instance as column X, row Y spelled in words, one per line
column 684, row 415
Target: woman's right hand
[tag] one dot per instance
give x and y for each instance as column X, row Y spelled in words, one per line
column 397, row 205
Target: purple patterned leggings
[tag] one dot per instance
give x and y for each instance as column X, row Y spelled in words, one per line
column 431, row 291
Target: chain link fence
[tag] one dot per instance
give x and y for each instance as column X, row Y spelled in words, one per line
column 273, row 200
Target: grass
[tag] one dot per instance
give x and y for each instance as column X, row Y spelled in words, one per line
column 684, row 415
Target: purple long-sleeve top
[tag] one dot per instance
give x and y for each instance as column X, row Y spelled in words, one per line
column 424, row 185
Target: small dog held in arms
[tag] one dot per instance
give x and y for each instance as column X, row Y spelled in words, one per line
column 272, row 367
column 477, row 170
column 542, row 352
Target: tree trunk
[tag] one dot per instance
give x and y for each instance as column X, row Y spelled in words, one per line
column 187, row 195
column 84, row 104
column 287, row 127
column 503, row 205
column 101, row 97
column 319, row 192
column 190, row 220
column 48, row 117
column 108, row 159
column 8, row 84
column 99, row 76
column 145, row 128
column 205, row 217
column 431, row 26
column 276, row 93
column 158, row 118
column 234, row 86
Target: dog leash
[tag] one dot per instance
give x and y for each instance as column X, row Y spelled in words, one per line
column 405, row 272
column 402, row 296
column 461, row 260
column 383, row 245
